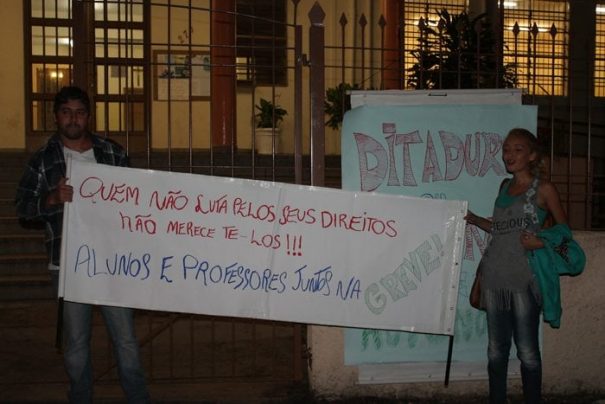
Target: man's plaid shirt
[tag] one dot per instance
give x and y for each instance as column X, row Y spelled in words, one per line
column 41, row 176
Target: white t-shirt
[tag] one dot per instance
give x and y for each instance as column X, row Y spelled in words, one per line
column 88, row 155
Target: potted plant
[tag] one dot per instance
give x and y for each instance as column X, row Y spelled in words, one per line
column 337, row 103
column 459, row 53
column 268, row 120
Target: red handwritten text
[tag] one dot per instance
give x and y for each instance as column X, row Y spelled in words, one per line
column 173, row 201
column 93, row 188
column 190, row 229
column 247, row 209
column 272, row 241
column 297, row 215
column 218, row 205
column 140, row 224
column 363, row 223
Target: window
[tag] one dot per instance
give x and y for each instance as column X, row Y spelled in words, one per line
column 538, row 57
column 536, row 39
column 51, row 59
column 120, row 67
column 413, row 11
column 119, row 94
column 261, row 41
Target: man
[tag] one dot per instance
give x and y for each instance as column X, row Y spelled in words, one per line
column 42, row 191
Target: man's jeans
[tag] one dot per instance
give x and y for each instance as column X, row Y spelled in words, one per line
column 519, row 321
column 77, row 327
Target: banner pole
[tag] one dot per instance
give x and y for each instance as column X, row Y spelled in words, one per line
column 61, row 281
column 59, row 335
column 449, row 360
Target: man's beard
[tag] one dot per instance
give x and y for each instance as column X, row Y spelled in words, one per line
column 73, row 132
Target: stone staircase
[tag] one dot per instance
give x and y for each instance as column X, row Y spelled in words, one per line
column 23, row 263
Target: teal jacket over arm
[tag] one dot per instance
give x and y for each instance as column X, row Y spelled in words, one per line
column 561, row 255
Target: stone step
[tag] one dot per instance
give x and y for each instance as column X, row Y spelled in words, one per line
column 15, row 158
column 22, row 243
column 8, row 189
column 10, row 174
column 23, row 264
column 26, row 287
column 12, row 225
column 7, row 206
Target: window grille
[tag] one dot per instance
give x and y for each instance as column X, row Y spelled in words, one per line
column 413, row 11
column 535, row 35
column 599, row 60
column 536, row 39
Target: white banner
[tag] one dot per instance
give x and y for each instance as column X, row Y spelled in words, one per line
column 232, row 247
